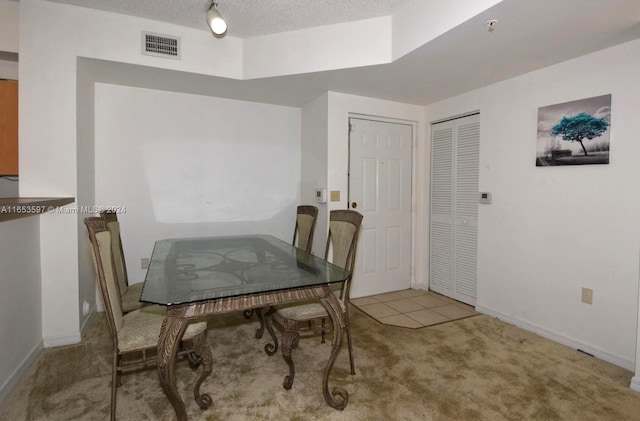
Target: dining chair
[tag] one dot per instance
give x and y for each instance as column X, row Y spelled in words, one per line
column 129, row 294
column 136, row 334
column 305, row 226
column 341, row 247
column 306, row 216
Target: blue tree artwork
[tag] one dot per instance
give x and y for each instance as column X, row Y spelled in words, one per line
column 574, row 133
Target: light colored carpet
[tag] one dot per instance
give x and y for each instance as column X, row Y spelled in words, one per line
column 476, row 368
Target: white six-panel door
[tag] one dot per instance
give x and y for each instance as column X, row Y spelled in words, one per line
column 455, row 146
column 380, row 189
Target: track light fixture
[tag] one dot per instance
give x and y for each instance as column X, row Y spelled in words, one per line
column 215, row 21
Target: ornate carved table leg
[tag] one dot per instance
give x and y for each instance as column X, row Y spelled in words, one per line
column 260, row 330
column 270, row 348
column 331, row 304
column 172, row 330
column 201, row 348
column 289, row 341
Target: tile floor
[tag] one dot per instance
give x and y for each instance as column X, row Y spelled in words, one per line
column 413, row 308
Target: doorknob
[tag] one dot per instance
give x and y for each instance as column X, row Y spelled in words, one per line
column 354, row 205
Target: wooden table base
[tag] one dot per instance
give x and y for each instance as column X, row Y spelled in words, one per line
column 178, row 317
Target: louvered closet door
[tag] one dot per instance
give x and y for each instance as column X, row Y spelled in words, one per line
column 454, row 208
column 441, row 244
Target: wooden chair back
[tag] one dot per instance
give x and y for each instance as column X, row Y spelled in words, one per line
column 112, row 224
column 342, row 242
column 101, row 254
column 305, row 227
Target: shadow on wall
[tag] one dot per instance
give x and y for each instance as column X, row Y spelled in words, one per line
column 8, row 186
column 186, row 187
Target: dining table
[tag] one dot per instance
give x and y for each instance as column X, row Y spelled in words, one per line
column 202, row 276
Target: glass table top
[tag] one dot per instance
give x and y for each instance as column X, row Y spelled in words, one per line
column 188, row 270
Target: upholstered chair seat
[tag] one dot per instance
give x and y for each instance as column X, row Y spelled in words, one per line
column 141, row 329
column 307, row 310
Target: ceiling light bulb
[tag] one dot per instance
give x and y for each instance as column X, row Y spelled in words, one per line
column 214, row 20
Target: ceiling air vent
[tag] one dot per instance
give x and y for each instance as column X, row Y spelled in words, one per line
column 160, row 45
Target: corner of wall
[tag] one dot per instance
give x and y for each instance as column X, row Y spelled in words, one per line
column 62, row 340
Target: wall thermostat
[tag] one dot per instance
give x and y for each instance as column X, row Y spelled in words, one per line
column 321, row 195
column 485, row 197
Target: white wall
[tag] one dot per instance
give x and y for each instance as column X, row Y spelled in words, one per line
column 314, row 165
column 8, row 70
column 85, row 195
column 186, row 165
column 20, row 300
column 47, row 158
column 340, row 46
column 552, row 230
column 8, row 187
column 341, row 106
column 52, row 38
column 9, row 21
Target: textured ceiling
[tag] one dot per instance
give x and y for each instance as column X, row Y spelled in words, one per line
column 530, row 35
column 247, row 18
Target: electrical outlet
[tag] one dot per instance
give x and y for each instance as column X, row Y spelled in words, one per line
column 144, row 263
column 587, row 295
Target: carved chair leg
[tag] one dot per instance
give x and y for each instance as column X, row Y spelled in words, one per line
column 289, row 341
column 349, row 342
column 114, row 385
column 118, row 371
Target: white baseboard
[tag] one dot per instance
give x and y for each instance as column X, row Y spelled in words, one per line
column 85, row 323
column 62, row 340
column 562, row 339
column 635, row 383
column 420, row 286
column 20, row 371
column 74, row 338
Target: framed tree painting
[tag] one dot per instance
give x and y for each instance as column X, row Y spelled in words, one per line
column 574, row 133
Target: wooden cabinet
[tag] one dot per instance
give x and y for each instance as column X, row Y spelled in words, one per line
column 8, row 127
